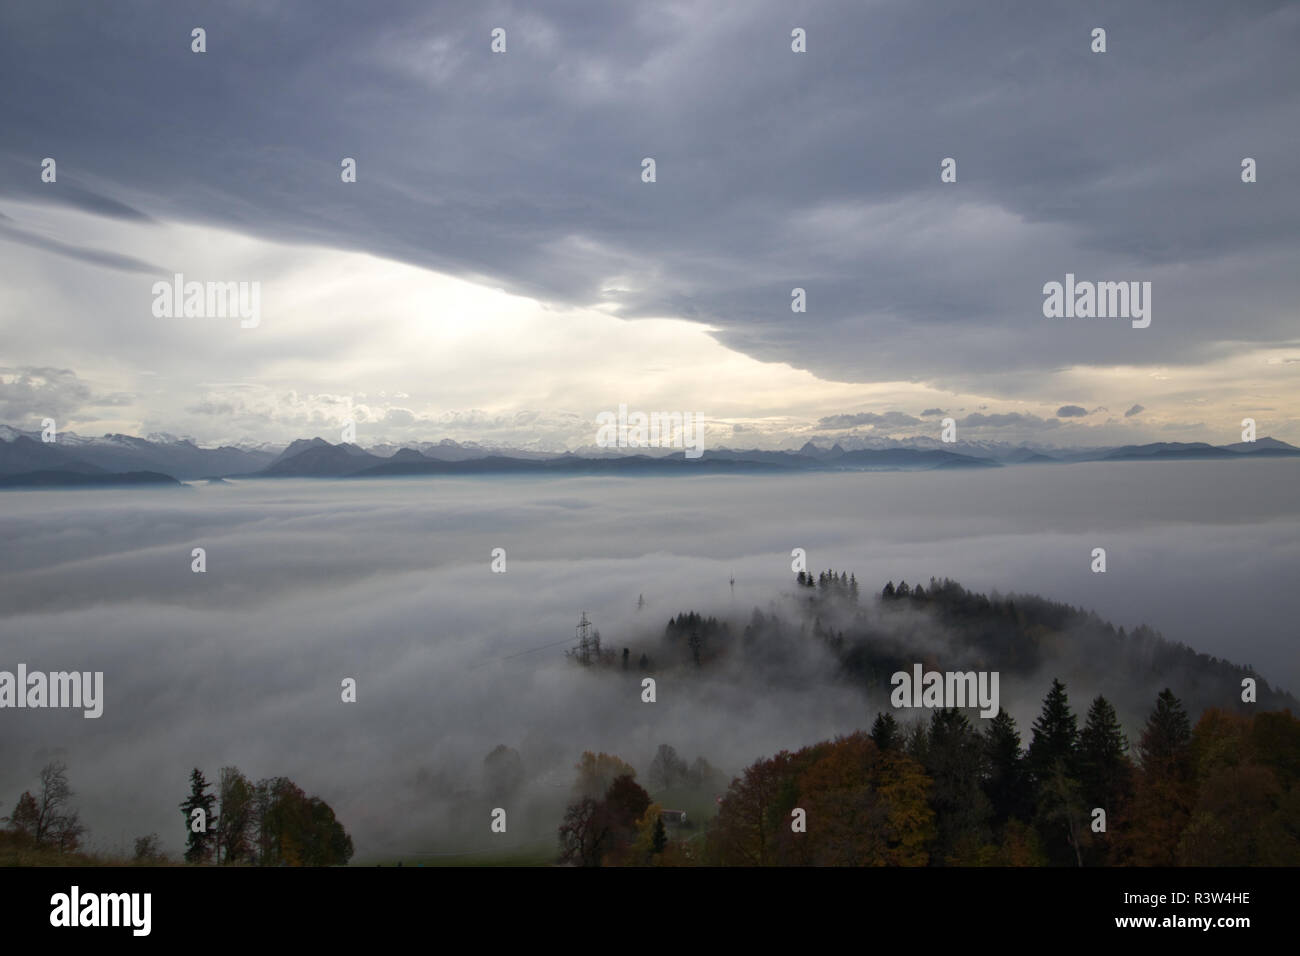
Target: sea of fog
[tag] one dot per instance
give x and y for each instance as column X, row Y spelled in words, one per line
column 390, row 582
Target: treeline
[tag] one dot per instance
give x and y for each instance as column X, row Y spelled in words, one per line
column 695, row 637
column 1023, row 633
column 949, row 792
column 270, row 823
column 828, row 584
column 945, row 792
column 948, row 627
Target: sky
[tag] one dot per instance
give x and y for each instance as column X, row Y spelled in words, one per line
column 389, row 582
column 499, row 271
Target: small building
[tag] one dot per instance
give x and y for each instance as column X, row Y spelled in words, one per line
column 672, row 816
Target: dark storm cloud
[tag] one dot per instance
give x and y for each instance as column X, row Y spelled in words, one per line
column 1071, row 411
column 775, row 169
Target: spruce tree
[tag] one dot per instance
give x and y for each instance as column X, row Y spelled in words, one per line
column 1052, row 762
column 885, row 732
column 1056, row 735
column 1166, row 741
column 954, row 761
column 198, row 844
column 1166, row 785
column 1005, row 782
column 1105, row 773
column 1104, row 769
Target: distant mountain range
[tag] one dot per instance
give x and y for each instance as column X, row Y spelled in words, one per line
column 24, row 452
column 26, row 461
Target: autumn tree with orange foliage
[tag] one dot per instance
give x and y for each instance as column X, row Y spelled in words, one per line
column 862, row 808
column 597, row 772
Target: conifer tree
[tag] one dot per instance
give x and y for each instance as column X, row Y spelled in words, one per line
column 1005, row 782
column 1104, row 768
column 1166, row 787
column 1168, row 735
column 198, row 842
column 1056, row 735
column 954, row 761
column 884, row 732
column 1052, row 762
column 1105, row 773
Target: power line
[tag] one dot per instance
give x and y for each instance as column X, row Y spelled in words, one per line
column 530, row 650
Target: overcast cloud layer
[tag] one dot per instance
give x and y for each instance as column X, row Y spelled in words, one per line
column 521, row 172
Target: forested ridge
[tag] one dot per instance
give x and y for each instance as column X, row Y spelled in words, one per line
column 1026, row 638
column 1203, row 776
